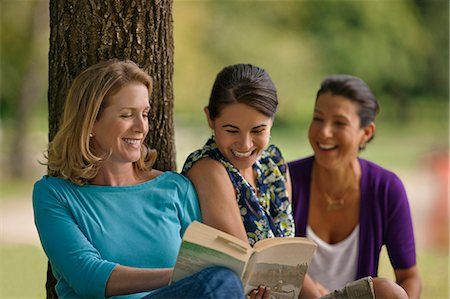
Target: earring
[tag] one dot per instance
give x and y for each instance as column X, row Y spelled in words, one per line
column 362, row 146
column 91, row 135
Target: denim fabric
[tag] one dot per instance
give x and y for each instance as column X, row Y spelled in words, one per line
column 211, row 283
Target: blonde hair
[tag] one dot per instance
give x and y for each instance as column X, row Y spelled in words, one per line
column 70, row 155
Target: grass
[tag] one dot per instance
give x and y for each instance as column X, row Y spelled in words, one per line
column 433, row 266
column 13, row 189
column 23, row 271
column 24, row 268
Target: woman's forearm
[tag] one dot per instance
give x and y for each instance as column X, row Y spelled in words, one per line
column 409, row 280
column 412, row 286
column 128, row 280
column 309, row 289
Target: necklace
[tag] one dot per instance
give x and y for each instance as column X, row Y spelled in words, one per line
column 334, row 202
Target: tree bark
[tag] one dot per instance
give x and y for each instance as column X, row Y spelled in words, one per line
column 84, row 32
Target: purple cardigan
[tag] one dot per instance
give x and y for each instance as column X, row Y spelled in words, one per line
column 384, row 219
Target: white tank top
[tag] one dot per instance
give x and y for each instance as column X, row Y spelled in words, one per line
column 334, row 265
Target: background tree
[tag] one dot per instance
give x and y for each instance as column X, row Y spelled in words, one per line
column 85, row 32
column 32, row 84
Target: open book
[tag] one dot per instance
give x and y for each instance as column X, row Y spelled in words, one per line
column 279, row 263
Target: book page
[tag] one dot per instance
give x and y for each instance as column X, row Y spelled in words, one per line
column 192, row 258
column 280, row 266
column 262, row 244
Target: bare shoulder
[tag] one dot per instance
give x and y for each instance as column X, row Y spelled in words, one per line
column 208, row 167
column 210, row 177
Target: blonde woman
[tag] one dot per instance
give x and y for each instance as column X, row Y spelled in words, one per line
column 109, row 223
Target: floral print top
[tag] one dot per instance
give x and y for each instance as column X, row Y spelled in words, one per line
column 267, row 215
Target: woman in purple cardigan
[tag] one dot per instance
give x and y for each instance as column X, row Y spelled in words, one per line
column 349, row 206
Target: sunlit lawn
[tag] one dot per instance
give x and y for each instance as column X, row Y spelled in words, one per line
column 23, row 272
column 434, row 270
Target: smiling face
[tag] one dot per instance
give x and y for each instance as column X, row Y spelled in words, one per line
column 334, row 133
column 123, row 124
column 241, row 134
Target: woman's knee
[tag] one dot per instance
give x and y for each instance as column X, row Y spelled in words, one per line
column 222, row 274
column 224, row 279
column 386, row 289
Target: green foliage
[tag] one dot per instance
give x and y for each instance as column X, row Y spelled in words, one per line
column 23, row 45
column 400, row 48
column 375, row 40
column 15, row 31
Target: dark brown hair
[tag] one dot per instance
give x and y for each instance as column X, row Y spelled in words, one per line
column 246, row 84
column 355, row 90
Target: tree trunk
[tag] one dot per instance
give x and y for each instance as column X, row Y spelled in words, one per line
column 84, row 32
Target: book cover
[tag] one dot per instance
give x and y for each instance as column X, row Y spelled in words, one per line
column 279, row 263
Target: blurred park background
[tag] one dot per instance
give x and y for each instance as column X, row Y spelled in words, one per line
column 399, row 47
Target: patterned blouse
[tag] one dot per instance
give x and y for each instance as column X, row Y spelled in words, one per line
column 267, row 215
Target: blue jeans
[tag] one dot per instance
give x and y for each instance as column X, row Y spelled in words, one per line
column 211, row 283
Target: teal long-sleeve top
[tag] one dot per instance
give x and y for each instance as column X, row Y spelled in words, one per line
column 87, row 230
